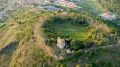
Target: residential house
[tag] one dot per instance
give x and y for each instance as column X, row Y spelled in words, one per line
column 60, row 43
column 108, row 16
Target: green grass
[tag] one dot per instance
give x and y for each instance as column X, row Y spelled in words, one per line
column 1, row 24
column 118, row 22
column 107, row 56
column 75, row 31
column 92, row 6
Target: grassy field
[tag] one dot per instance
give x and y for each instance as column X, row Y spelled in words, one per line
column 108, row 57
column 102, row 57
column 1, row 24
column 75, row 31
column 91, row 6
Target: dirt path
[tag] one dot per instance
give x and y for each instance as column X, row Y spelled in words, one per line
column 94, row 48
column 40, row 40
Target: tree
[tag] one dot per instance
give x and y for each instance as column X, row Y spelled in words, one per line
column 88, row 65
column 76, row 45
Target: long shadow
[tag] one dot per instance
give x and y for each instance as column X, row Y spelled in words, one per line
column 10, row 48
column 6, row 53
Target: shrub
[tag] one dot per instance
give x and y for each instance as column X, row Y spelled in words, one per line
column 77, row 65
column 78, row 53
column 49, row 41
column 76, row 45
column 88, row 44
column 88, row 65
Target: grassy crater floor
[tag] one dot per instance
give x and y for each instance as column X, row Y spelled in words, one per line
column 74, row 31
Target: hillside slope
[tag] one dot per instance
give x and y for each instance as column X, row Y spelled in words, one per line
column 23, row 28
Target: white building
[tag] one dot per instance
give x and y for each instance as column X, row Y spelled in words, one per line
column 108, row 16
column 60, row 43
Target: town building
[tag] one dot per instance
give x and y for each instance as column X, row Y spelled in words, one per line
column 60, row 43
column 52, row 8
column 108, row 16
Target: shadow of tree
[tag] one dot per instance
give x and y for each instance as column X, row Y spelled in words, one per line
column 10, row 48
column 6, row 54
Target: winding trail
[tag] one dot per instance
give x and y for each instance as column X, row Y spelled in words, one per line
column 40, row 40
column 94, row 48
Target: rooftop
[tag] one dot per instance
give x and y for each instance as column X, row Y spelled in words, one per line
column 108, row 16
column 60, row 42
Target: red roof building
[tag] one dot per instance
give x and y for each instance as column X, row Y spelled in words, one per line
column 67, row 3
